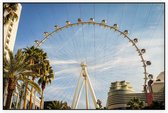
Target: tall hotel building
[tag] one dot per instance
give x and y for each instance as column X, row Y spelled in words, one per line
column 9, row 33
column 10, row 29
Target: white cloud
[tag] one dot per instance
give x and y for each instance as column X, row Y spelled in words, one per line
column 114, row 62
column 56, row 91
column 69, row 70
column 63, row 62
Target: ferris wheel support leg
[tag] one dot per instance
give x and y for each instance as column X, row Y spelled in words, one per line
column 92, row 92
column 86, row 91
column 79, row 94
column 76, row 90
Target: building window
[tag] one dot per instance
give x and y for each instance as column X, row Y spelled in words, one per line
column 7, row 41
column 9, row 35
column 11, row 24
column 10, row 30
column 13, row 19
column 6, row 47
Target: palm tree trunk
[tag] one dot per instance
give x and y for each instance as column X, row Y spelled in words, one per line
column 31, row 96
column 11, row 88
column 42, row 98
column 5, row 84
column 8, row 101
column 25, row 97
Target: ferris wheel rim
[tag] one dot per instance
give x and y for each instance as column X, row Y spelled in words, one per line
column 104, row 25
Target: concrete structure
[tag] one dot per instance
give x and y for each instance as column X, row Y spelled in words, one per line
column 9, row 34
column 158, row 87
column 10, row 30
column 117, row 95
column 16, row 99
column 35, row 102
column 158, row 84
column 121, row 93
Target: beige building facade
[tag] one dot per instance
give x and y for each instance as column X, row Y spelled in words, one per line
column 10, row 30
column 121, row 93
column 9, row 34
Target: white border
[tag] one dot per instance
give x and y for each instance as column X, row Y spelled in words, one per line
column 83, row 111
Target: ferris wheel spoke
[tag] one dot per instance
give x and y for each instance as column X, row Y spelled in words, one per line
column 105, row 49
column 63, row 94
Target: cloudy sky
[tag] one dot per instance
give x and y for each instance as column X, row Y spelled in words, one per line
column 108, row 55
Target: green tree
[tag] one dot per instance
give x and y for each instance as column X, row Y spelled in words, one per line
column 32, row 84
column 16, row 69
column 58, row 105
column 135, row 103
column 9, row 10
column 34, row 56
column 46, row 76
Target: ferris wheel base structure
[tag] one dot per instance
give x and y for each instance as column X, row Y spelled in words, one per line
column 86, row 82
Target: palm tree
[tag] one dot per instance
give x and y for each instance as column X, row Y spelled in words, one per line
column 31, row 54
column 58, row 105
column 135, row 103
column 9, row 10
column 15, row 69
column 27, row 83
column 33, row 57
column 46, row 76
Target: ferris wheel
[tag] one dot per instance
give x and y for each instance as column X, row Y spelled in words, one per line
column 92, row 54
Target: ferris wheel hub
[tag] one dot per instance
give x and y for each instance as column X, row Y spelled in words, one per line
column 83, row 64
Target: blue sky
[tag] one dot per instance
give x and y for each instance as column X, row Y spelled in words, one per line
column 108, row 55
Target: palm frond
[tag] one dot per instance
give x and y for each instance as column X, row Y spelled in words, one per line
column 32, row 83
